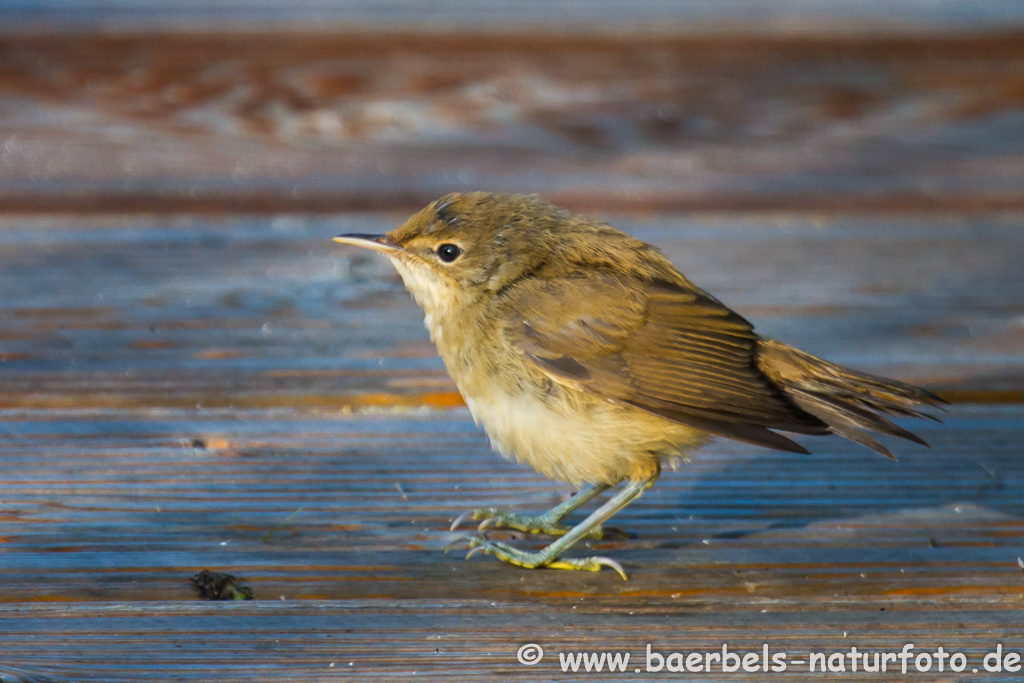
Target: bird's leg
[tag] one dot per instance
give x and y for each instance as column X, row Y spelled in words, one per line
column 550, row 556
column 548, row 523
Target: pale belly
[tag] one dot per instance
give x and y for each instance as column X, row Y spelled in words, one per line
column 580, row 440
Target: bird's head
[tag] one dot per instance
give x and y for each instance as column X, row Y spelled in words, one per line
column 466, row 245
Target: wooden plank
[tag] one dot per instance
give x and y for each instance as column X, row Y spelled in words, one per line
column 268, row 312
column 457, row 640
column 105, row 516
column 315, row 121
column 175, row 388
column 120, row 506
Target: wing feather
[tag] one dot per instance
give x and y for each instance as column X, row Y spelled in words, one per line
column 664, row 347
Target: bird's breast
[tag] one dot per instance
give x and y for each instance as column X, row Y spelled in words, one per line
column 576, row 439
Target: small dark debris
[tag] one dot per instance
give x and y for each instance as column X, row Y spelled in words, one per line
column 218, row 586
column 932, row 543
column 198, row 443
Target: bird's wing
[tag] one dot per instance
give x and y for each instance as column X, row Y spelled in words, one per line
column 663, row 347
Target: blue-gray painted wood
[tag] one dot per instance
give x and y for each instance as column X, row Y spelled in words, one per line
column 174, row 389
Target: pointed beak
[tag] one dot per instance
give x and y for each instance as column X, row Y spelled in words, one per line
column 381, row 243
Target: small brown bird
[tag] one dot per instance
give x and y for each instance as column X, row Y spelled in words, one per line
column 584, row 352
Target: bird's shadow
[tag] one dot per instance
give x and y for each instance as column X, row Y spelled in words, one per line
column 731, row 491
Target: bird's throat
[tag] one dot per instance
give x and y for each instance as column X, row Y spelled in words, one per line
column 432, row 293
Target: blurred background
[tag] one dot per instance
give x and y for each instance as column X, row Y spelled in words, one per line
column 187, row 363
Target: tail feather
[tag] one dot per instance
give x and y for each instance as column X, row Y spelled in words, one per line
column 851, row 403
column 838, row 420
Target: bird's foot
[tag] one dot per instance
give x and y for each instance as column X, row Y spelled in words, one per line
column 527, row 560
column 494, row 518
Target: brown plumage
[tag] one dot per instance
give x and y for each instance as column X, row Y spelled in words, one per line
column 584, row 352
column 850, row 403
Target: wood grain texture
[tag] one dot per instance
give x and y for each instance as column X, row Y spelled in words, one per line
column 265, row 122
column 268, row 312
column 108, row 515
column 175, row 388
column 192, row 376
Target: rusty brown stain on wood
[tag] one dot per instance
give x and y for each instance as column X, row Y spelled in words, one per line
column 267, row 201
column 342, row 402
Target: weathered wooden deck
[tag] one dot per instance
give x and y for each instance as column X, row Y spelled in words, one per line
column 187, row 363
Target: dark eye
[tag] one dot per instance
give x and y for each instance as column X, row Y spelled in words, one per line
column 448, row 252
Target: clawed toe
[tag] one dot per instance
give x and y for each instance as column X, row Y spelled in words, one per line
column 494, row 518
column 465, row 538
column 464, row 517
column 474, row 550
column 590, row 564
column 526, row 560
column 502, row 551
